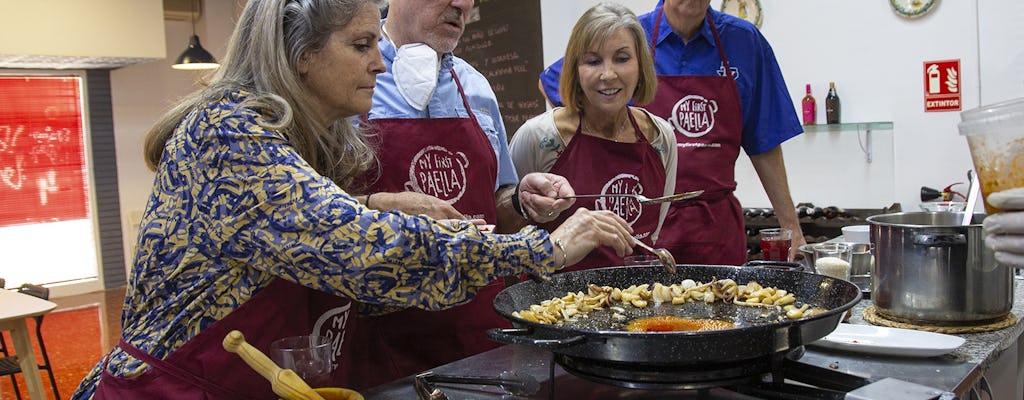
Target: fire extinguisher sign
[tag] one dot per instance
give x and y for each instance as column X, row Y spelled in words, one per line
column 942, row 85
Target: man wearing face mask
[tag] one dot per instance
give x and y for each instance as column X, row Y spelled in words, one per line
column 443, row 152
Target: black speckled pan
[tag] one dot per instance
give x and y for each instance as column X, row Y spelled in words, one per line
column 757, row 333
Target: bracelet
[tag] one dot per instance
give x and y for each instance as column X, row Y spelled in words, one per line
column 518, row 207
column 565, row 257
column 366, row 203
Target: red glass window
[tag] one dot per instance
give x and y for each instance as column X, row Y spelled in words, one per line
column 43, row 174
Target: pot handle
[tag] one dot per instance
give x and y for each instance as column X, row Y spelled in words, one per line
column 517, row 336
column 940, row 240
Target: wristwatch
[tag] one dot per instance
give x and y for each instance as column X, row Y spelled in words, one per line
column 912, row 8
column 749, row 10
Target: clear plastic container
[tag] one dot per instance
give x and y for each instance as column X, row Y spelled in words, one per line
column 995, row 135
column 944, row 206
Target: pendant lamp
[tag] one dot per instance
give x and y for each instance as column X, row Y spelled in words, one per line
column 195, row 56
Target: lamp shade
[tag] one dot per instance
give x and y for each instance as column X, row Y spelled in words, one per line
column 195, row 57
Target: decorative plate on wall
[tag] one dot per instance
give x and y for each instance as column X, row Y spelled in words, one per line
column 912, row 8
column 749, row 10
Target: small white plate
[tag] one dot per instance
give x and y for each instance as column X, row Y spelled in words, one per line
column 889, row 341
column 486, row 228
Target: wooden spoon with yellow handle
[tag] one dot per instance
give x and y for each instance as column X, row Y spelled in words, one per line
column 285, row 382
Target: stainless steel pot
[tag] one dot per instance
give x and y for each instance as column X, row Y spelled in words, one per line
column 930, row 269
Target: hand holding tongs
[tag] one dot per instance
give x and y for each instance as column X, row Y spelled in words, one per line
column 641, row 198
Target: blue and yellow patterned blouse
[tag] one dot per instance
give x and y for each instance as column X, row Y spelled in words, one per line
column 234, row 206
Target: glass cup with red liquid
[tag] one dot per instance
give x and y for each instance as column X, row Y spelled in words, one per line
column 775, row 244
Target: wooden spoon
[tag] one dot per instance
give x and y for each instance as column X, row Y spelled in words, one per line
column 285, row 382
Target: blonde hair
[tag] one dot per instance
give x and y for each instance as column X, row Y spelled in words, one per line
column 262, row 55
column 594, row 26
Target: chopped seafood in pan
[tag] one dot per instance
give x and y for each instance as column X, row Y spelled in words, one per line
column 685, row 306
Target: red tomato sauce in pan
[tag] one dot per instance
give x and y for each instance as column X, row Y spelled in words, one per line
column 676, row 324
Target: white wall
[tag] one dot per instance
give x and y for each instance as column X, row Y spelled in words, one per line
column 93, row 28
column 876, row 59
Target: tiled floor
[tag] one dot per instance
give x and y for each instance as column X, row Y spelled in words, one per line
column 109, row 301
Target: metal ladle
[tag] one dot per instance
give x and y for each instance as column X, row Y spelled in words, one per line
column 664, row 256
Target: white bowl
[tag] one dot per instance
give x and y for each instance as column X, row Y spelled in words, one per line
column 857, row 233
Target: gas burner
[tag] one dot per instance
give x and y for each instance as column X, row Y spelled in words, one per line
column 666, row 377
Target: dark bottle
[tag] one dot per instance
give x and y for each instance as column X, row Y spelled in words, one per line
column 832, row 104
column 833, row 212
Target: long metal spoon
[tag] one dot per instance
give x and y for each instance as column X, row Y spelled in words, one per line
column 641, row 198
column 664, row 256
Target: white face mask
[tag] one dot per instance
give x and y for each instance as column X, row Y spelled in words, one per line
column 415, row 69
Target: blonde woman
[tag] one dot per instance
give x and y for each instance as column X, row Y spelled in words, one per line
column 598, row 142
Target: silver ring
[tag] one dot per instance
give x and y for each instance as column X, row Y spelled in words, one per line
column 551, row 213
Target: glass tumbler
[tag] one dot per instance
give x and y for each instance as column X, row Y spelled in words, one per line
column 310, row 356
column 833, row 259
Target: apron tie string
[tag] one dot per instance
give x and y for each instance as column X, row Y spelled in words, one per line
column 175, row 371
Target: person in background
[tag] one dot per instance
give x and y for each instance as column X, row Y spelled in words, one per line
column 599, row 143
column 441, row 141
column 249, row 214
column 720, row 87
column 1004, row 231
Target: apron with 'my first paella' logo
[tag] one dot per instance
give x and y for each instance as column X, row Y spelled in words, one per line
column 705, row 112
column 203, row 369
column 597, row 165
column 451, row 159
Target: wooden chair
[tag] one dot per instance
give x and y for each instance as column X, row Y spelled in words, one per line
column 9, row 364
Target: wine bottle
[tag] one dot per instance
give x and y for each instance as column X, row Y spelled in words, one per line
column 810, row 107
column 832, row 104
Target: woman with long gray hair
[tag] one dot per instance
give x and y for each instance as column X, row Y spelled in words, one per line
column 250, row 226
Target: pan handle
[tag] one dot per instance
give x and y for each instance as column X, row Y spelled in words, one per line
column 517, row 336
column 940, row 240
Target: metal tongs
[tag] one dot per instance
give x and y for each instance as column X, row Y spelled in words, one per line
column 641, row 198
column 513, row 383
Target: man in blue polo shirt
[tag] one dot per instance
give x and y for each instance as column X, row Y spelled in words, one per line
column 720, row 86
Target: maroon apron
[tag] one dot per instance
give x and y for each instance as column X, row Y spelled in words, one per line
column 202, row 369
column 597, row 165
column 451, row 159
column 706, row 116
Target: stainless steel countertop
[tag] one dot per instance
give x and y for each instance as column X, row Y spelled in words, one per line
column 956, row 372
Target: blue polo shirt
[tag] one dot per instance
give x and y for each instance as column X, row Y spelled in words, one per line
column 769, row 117
column 446, row 102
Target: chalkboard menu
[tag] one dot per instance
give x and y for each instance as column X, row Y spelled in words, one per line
column 503, row 42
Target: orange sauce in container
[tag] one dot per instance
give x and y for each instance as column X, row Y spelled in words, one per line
column 676, row 324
